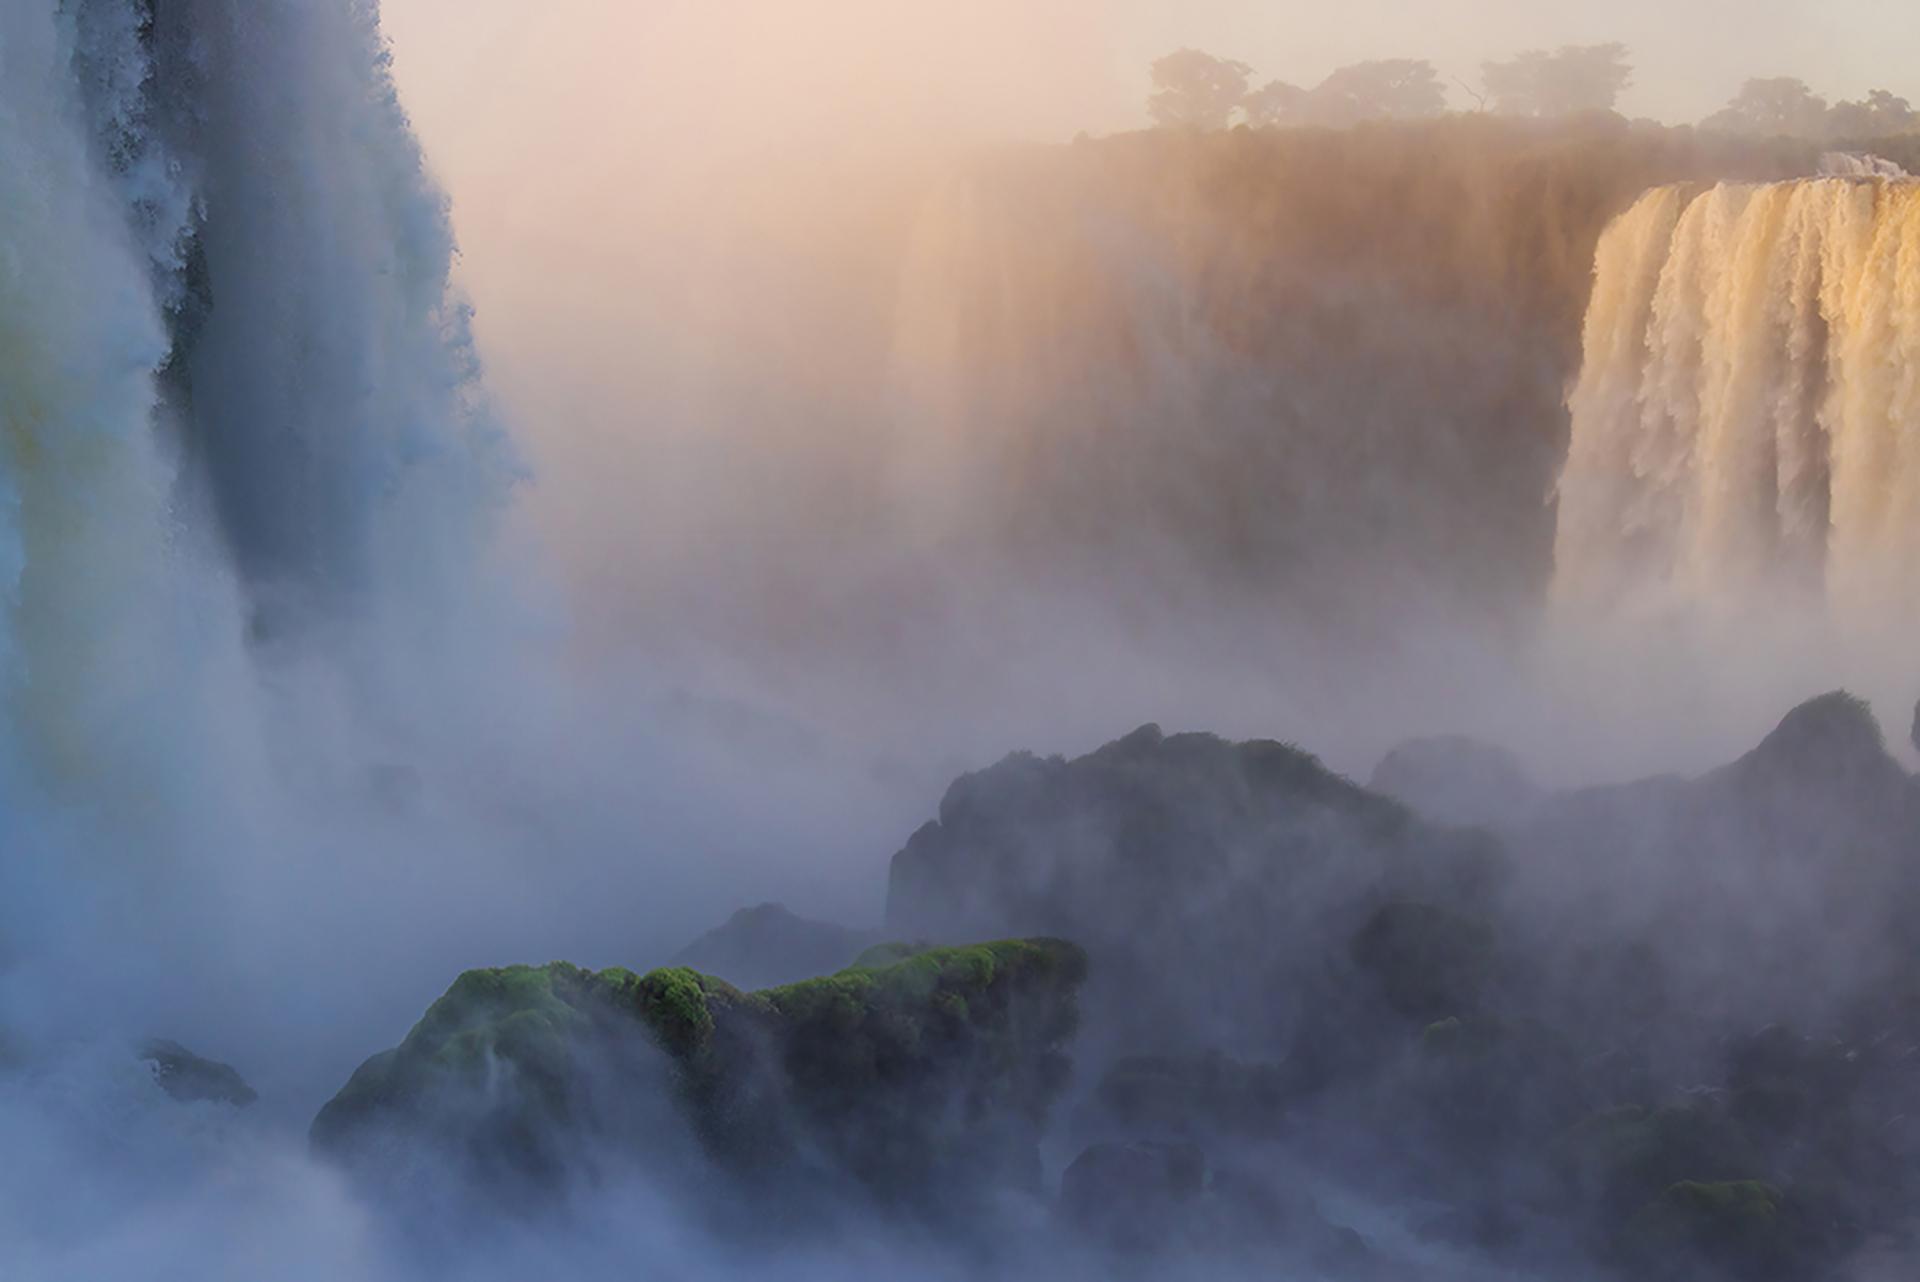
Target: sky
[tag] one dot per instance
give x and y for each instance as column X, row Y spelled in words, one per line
column 1053, row 67
column 1690, row 55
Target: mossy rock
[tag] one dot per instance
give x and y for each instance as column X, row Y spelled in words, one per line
column 894, row 1073
column 1618, row 1160
column 888, row 953
column 1741, row 1229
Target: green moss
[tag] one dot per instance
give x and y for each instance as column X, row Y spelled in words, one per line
column 892, row 1068
column 927, row 977
column 674, row 1004
column 1739, row 1228
column 1620, row 1160
column 525, row 1019
column 1747, row 1202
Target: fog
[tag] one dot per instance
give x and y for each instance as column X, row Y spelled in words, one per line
column 714, row 343
column 608, row 466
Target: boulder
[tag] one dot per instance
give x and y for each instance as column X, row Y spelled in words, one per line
column 1740, row 1229
column 914, row 1080
column 1427, row 962
column 1765, row 891
column 1209, row 881
column 191, row 1079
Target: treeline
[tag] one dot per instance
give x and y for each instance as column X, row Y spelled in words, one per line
column 1197, row 90
column 1192, row 89
column 1785, row 107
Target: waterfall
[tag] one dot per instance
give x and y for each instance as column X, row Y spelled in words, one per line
column 1746, row 422
column 237, row 394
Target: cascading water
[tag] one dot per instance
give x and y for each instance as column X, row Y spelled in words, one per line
column 236, row 394
column 246, row 477
column 1746, row 424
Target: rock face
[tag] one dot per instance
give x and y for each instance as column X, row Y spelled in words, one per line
column 1428, row 963
column 1457, row 780
column 1675, row 1040
column 766, row 945
column 1759, row 891
column 1303, row 354
column 1737, row 1229
column 917, row 1080
column 1672, row 1037
column 1208, row 880
column 189, row 1078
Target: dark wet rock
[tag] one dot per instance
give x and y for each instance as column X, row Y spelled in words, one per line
column 1457, row 780
column 1740, row 1229
column 191, row 1079
column 766, row 945
column 1209, row 880
column 1769, row 889
column 1618, row 1160
column 1427, row 962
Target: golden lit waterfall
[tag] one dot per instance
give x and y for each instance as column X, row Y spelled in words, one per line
column 1746, row 424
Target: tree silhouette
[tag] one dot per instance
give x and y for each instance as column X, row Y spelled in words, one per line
column 1780, row 106
column 1571, row 79
column 1881, row 115
column 1196, row 90
column 1392, row 88
column 1274, row 103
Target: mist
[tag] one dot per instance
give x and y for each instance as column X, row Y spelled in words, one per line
column 493, row 488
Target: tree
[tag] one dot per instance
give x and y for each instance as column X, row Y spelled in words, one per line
column 1571, row 79
column 1880, row 115
column 1393, row 88
column 1274, row 103
column 1777, row 107
column 1196, row 90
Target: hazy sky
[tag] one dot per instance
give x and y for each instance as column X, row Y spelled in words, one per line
column 1691, row 55
column 1060, row 65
